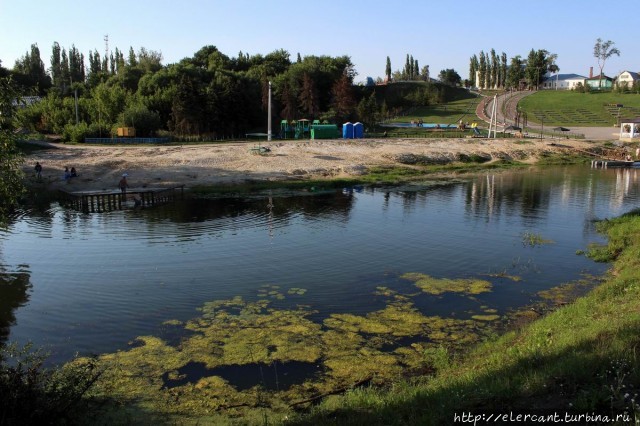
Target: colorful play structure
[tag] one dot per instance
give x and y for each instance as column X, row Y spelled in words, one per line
column 305, row 129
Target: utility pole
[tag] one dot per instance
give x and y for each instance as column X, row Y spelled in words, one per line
column 269, row 114
column 493, row 124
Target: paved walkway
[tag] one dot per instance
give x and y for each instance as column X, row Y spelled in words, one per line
column 507, row 104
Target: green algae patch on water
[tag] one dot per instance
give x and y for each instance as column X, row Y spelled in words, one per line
column 397, row 319
column 438, row 286
column 190, row 380
column 252, row 333
column 366, row 363
column 486, row 317
column 568, row 292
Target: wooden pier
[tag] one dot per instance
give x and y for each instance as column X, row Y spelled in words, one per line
column 605, row 164
column 104, row 201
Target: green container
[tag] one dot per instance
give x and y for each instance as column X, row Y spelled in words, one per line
column 324, row 131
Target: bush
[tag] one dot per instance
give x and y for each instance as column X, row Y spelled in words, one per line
column 77, row 133
column 33, row 395
column 139, row 117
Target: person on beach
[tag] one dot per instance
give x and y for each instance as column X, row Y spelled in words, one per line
column 38, row 169
column 73, row 172
column 67, row 174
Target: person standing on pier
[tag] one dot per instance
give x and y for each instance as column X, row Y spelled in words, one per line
column 123, row 185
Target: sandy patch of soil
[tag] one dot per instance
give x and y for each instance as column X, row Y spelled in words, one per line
column 100, row 167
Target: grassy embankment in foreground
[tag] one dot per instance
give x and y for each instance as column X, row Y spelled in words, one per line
column 573, row 109
column 582, row 358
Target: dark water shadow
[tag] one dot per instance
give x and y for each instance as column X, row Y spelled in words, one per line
column 276, row 376
column 14, row 293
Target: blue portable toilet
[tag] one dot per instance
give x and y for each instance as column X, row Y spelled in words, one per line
column 347, row 130
column 358, row 130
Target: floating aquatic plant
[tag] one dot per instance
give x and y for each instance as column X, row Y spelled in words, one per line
column 487, row 317
column 439, row 286
column 532, row 239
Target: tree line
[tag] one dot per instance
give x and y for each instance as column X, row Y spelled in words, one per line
column 209, row 94
column 491, row 71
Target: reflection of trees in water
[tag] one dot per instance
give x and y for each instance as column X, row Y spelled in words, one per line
column 524, row 194
column 14, row 288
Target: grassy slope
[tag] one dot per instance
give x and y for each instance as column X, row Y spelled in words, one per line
column 581, row 358
column 568, row 108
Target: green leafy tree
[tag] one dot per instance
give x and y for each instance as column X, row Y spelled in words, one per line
column 138, row 116
column 56, row 65
column 308, row 97
column 30, row 71
column 473, row 67
column 494, row 69
column 368, row 110
column 133, row 60
column 515, row 72
column 65, row 75
column 450, row 77
column 424, row 74
column 76, row 65
column 537, row 65
column 10, row 159
column 602, row 51
column 387, row 71
column 503, row 70
column 189, row 107
column 483, row 71
column 343, row 98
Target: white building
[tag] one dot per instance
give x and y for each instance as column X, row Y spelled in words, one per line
column 562, row 81
column 627, row 77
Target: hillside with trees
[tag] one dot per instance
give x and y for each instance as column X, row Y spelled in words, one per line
column 207, row 96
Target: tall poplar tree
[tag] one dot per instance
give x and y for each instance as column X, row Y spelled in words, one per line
column 56, row 71
column 495, row 66
column 483, row 70
column 473, row 67
column 387, row 70
column 503, row 70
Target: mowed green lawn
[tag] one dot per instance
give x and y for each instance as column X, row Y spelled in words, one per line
column 568, row 108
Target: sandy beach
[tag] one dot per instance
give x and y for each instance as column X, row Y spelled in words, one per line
column 100, row 167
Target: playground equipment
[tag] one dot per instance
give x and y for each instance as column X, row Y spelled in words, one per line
column 324, row 131
column 305, row 129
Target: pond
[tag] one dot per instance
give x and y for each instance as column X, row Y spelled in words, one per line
column 92, row 283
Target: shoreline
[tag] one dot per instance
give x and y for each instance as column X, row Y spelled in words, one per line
column 229, row 164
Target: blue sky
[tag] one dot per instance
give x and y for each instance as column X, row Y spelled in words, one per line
column 437, row 33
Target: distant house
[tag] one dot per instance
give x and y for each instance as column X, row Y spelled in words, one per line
column 562, row 81
column 628, row 78
column 595, row 82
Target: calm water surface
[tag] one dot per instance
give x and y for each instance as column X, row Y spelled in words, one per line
column 90, row 283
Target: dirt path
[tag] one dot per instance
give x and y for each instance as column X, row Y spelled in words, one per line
column 100, row 167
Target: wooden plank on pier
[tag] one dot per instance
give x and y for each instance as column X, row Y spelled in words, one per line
column 101, row 201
